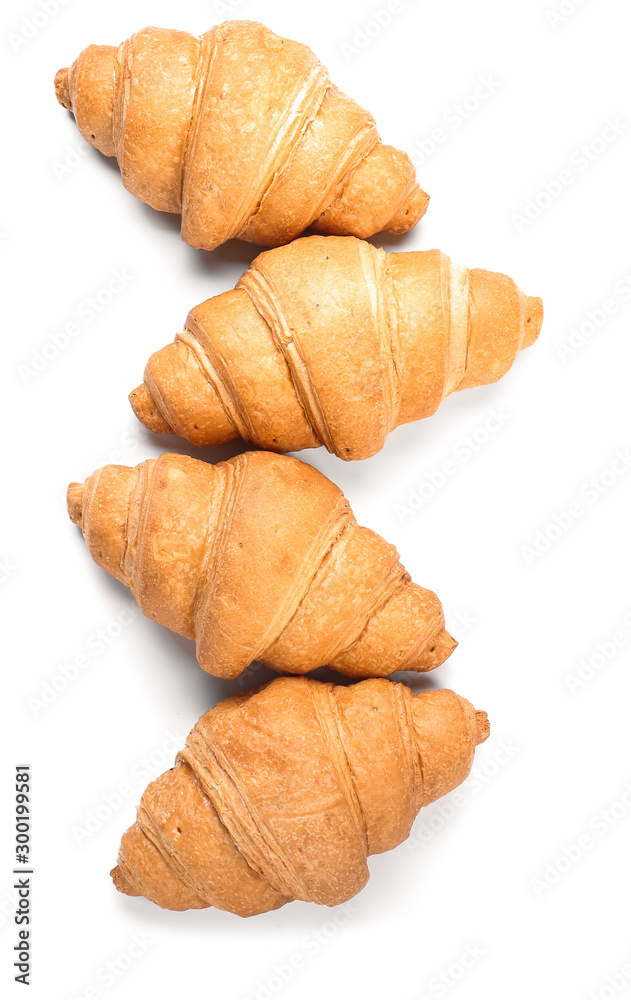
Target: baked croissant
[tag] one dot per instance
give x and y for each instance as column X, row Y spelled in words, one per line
column 332, row 341
column 283, row 792
column 259, row 558
column 242, row 133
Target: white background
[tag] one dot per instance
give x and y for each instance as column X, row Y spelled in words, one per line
column 473, row 882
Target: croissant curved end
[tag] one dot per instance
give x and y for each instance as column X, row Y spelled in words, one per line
column 435, row 653
column 62, row 88
column 121, row 882
column 144, row 406
column 75, row 503
column 534, row 320
column 410, row 212
column 483, row 727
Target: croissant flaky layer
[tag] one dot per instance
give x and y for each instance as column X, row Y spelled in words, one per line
column 283, row 792
column 241, row 132
column 259, row 558
column 332, row 341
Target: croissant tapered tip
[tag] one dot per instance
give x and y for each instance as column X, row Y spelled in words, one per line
column 144, row 406
column 533, row 320
column 413, row 209
column 121, row 882
column 62, row 88
column 75, row 503
column 117, row 876
column 483, row 727
column 435, row 653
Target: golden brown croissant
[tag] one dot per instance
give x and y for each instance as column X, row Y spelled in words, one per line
column 259, row 558
column 283, row 792
column 242, row 133
column 331, row 341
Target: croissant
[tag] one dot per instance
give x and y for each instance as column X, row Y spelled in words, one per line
column 259, row 558
column 242, row 133
column 332, row 341
column 282, row 793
